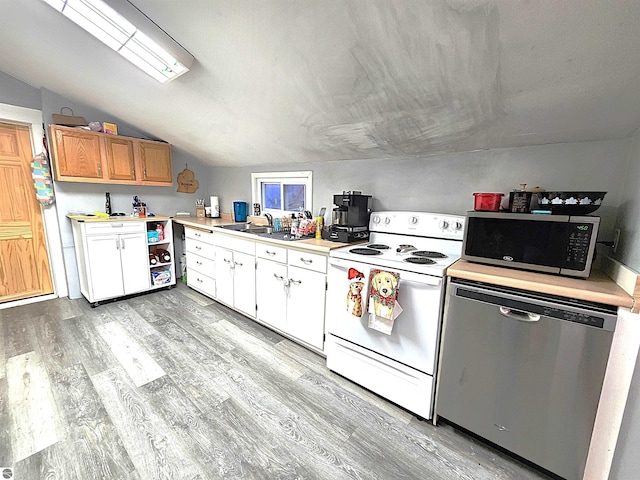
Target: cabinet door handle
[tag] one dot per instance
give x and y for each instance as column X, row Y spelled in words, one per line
column 99, row 169
column 278, row 277
column 270, row 253
column 196, row 235
column 198, row 262
column 199, row 280
column 117, row 244
column 305, row 261
column 226, row 261
column 198, row 247
column 295, row 282
column 122, row 242
column 144, row 173
column 238, row 264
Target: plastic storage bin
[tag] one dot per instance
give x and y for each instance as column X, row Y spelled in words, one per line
column 487, row 202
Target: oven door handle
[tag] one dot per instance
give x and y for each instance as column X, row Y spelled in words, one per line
column 415, row 278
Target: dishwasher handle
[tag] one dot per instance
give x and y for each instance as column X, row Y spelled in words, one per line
column 519, row 314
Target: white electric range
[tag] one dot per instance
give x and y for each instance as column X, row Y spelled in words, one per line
column 416, row 248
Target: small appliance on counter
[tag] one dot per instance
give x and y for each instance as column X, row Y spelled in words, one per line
column 556, row 244
column 350, row 218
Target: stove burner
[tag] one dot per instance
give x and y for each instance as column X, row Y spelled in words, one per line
column 427, row 254
column 365, row 251
column 378, row 246
column 419, row 260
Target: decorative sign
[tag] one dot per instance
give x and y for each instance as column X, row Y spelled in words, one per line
column 187, row 182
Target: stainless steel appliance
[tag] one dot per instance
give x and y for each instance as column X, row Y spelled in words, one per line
column 559, row 244
column 350, row 218
column 399, row 365
column 524, row 371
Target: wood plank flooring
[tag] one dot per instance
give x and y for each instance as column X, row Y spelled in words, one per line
column 172, row 385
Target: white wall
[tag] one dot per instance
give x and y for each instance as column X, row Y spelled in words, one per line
column 626, row 462
column 446, row 183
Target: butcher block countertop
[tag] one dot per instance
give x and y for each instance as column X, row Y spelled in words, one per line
column 597, row 288
column 96, row 218
column 308, row 244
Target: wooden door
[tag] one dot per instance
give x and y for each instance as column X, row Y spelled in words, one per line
column 119, row 158
column 24, row 261
column 155, row 162
column 76, row 154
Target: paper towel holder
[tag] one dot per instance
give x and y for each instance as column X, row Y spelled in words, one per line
column 215, row 207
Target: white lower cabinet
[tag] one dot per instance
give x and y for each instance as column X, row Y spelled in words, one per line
column 201, row 266
column 112, row 259
column 283, row 288
column 236, row 280
column 291, row 298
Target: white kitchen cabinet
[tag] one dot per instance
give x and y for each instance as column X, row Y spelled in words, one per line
column 290, row 292
column 201, row 265
column 112, row 259
column 235, row 268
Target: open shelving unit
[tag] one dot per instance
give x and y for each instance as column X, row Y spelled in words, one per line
column 162, row 273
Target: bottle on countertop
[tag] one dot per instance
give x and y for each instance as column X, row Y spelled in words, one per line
column 107, row 204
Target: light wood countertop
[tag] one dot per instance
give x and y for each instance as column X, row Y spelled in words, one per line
column 96, row 218
column 597, row 288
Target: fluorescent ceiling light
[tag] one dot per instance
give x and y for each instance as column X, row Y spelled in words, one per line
column 115, row 31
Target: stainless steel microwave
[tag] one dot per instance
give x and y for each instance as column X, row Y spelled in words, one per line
column 559, row 244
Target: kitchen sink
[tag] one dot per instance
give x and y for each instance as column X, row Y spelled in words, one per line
column 260, row 230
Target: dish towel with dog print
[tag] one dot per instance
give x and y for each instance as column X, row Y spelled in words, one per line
column 383, row 305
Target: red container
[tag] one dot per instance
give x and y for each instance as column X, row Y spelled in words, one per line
column 487, row 202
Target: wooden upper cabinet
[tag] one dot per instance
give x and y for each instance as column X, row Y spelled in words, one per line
column 93, row 157
column 119, row 158
column 155, row 162
column 77, row 154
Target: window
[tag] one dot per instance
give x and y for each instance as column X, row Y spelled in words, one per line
column 282, row 193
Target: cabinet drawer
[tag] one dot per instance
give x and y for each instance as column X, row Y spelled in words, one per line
column 206, row 237
column 203, row 265
column 236, row 244
column 200, row 248
column 271, row 252
column 200, row 282
column 310, row 261
column 111, row 228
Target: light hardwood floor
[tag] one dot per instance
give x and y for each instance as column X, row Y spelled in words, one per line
column 172, row 385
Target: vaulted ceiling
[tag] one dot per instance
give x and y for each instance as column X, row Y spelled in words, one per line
column 285, row 81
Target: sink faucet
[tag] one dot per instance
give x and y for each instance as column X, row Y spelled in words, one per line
column 269, row 219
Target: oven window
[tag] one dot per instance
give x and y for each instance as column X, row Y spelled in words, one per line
column 532, row 242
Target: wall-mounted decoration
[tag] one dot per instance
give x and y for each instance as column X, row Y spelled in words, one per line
column 42, row 179
column 187, row 182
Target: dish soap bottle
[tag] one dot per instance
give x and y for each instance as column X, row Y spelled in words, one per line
column 107, row 204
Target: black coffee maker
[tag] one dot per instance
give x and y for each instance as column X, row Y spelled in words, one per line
column 350, row 218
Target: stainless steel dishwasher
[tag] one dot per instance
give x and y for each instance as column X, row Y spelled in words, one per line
column 524, row 371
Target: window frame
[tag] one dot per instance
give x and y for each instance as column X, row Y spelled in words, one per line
column 302, row 177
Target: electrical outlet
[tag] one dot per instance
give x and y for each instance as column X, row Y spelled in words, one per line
column 616, row 240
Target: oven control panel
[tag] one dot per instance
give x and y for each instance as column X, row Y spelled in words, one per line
column 418, row 223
